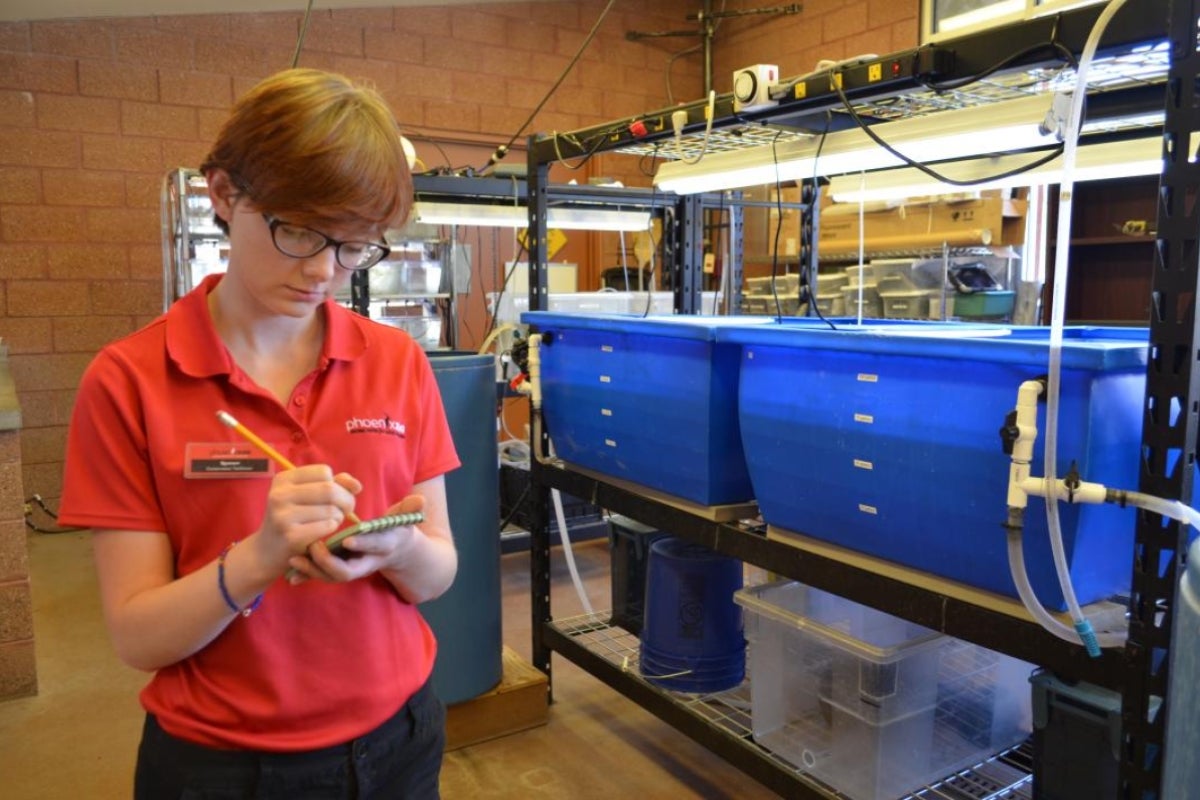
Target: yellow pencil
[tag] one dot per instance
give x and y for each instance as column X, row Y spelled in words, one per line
column 271, row 452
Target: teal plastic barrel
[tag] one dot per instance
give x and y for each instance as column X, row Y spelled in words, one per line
column 466, row 619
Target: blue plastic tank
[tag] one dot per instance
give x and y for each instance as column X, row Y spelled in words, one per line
column 467, row 619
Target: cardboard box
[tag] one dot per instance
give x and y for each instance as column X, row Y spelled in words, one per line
column 987, row 220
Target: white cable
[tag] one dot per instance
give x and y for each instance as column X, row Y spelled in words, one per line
column 533, row 388
column 679, row 119
column 1058, row 304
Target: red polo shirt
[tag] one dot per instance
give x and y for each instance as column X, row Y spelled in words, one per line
column 316, row 664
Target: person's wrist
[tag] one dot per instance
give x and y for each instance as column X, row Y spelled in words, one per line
column 233, row 596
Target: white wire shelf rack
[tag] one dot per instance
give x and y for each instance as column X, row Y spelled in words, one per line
column 1005, row 776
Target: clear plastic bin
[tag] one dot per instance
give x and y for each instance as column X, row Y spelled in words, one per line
column 905, row 304
column 871, row 704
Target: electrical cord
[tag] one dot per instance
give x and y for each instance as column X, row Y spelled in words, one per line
column 303, row 33
column 806, row 287
column 502, row 150
column 504, row 286
column 875, row 137
column 778, row 229
column 1052, row 43
column 653, row 249
column 599, row 140
column 424, row 137
column 671, row 64
column 36, row 500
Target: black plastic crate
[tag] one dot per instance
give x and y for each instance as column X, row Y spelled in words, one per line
column 584, row 520
column 629, row 543
column 1076, row 740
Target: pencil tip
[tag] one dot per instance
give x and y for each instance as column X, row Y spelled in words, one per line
column 225, row 417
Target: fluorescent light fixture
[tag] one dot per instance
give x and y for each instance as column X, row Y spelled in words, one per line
column 993, row 128
column 487, row 216
column 597, row 219
column 512, row 216
column 1119, row 159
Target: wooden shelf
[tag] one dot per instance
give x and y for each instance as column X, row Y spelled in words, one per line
column 1112, row 270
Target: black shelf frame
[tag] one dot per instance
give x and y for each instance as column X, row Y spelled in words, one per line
column 1139, row 671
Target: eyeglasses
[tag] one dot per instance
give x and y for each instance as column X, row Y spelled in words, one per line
column 298, row 241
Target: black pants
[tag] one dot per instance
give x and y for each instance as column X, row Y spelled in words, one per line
column 400, row 759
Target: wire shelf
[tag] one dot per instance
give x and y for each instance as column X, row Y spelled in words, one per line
column 1145, row 66
column 1006, row 776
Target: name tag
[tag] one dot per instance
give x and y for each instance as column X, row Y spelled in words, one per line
column 226, row 460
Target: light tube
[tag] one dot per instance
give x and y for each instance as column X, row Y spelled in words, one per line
column 1120, row 159
column 993, row 128
column 512, row 216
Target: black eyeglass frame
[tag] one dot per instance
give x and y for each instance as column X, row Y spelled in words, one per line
column 273, row 224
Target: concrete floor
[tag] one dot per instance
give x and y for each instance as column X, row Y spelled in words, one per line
column 77, row 738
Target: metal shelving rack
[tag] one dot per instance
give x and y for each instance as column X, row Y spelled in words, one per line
column 1139, row 671
column 192, row 244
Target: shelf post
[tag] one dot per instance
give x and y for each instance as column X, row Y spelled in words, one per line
column 1168, row 443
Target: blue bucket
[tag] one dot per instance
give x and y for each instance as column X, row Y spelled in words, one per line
column 692, row 639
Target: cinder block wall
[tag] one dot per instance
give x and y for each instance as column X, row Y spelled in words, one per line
column 93, row 113
column 18, row 673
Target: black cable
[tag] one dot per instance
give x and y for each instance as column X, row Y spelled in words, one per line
column 812, row 298
column 502, row 150
column 1052, row 43
column 36, row 499
column 671, row 63
column 1046, row 159
column 303, row 32
column 778, row 229
column 598, row 142
column 512, row 512
column 424, row 137
column 500, row 293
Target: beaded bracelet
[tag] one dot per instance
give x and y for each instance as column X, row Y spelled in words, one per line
column 248, row 610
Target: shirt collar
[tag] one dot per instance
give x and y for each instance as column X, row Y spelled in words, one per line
column 193, row 343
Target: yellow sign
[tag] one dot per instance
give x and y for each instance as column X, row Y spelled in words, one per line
column 555, row 239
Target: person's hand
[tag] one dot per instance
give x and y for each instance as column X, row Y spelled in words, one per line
column 304, row 505
column 364, row 554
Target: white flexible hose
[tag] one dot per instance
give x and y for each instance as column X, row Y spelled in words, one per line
column 1166, row 508
column 1016, row 563
column 1058, row 304
column 534, row 390
column 568, row 551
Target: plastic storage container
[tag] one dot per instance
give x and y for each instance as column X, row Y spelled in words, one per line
column 868, row 300
column 891, row 447
column 651, row 400
column 905, row 304
column 871, row 704
column 984, row 304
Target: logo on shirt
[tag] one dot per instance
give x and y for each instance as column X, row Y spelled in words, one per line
column 379, row 425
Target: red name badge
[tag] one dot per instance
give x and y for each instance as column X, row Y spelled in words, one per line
column 226, row 460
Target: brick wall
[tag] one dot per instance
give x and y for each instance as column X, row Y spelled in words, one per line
column 825, row 30
column 93, row 113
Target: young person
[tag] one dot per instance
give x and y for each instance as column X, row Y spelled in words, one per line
column 280, row 669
